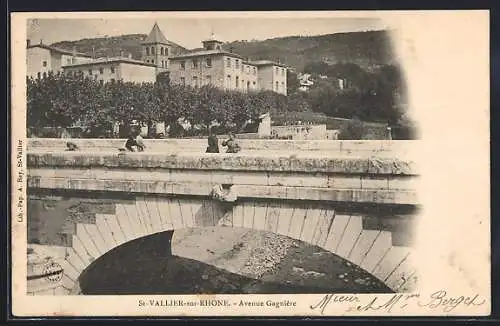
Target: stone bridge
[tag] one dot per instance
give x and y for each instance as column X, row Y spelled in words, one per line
column 83, row 204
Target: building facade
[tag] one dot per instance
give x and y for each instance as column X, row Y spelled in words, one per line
column 272, row 76
column 42, row 59
column 210, row 65
column 115, row 69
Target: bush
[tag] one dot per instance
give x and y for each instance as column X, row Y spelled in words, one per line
column 353, row 130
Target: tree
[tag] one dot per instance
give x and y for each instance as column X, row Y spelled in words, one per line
column 316, row 67
column 292, row 82
column 353, row 130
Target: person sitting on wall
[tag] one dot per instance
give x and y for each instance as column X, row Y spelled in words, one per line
column 213, row 144
column 232, row 145
column 135, row 142
column 71, row 147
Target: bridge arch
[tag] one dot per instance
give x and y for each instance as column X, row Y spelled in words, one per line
column 372, row 249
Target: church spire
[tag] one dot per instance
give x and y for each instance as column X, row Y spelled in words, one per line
column 155, row 36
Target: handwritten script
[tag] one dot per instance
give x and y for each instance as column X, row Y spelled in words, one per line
column 439, row 300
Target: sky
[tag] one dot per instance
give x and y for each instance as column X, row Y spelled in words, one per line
column 189, row 32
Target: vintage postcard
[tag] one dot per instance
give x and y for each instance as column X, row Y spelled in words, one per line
column 250, row 163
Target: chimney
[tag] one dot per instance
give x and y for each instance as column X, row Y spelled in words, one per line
column 41, row 41
column 74, row 50
column 130, row 56
column 28, row 43
column 121, row 54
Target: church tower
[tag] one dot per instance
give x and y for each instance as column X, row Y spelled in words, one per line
column 156, row 49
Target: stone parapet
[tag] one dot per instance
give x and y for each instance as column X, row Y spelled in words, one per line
column 397, row 147
column 224, row 162
column 348, row 179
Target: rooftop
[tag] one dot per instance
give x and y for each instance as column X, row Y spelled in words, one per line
column 111, row 60
column 212, row 38
column 205, row 53
column 58, row 50
column 267, row 63
column 156, row 36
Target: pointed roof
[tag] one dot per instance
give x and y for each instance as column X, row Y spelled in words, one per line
column 156, row 36
column 213, row 37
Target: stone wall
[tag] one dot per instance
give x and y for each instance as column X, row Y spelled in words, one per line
column 300, row 132
column 323, row 147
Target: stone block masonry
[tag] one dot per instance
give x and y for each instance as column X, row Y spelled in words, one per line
column 84, row 204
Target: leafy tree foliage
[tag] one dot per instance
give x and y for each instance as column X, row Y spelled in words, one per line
column 369, row 95
column 63, row 100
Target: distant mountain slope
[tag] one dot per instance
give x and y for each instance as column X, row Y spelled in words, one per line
column 363, row 48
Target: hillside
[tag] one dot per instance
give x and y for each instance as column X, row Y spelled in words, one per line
column 111, row 46
column 363, row 48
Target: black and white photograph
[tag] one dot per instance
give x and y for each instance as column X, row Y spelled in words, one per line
column 230, row 162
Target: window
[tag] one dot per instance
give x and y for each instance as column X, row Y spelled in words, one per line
column 228, row 81
column 277, row 71
column 153, row 61
column 147, row 51
column 101, row 82
column 161, row 50
column 44, row 63
column 183, row 64
column 44, row 75
column 248, row 85
column 209, row 62
column 282, row 86
column 208, row 80
column 237, row 64
column 166, row 51
column 73, row 60
column 112, row 70
column 113, row 80
column 90, row 72
column 183, row 81
column 68, row 61
column 242, row 68
column 163, row 64
column 195, row 81
column 283, row 72
column 229, row 62
column 254, row 71
column 253, row 84
column 237, row 81
column 39, row 75
column 277, row 86
column 101, row 71
column 152, row 50
column 195, row 63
